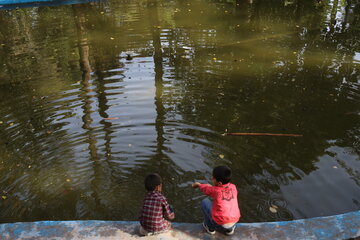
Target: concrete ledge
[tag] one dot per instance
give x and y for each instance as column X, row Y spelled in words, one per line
column 12, row 4
column 343, row 226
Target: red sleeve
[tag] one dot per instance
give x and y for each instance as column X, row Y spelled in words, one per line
column 207, row 189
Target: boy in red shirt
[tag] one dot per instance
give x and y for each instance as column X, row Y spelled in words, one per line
column 155, row 208
column 223, row 213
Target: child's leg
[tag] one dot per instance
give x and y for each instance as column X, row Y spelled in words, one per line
column 206, row 206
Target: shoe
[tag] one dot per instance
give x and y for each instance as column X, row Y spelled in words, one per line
column 230, row 231
column 143, row 232
column 212, row 232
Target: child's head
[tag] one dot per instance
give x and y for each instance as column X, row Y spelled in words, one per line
column 222, row 174
column 153, row 182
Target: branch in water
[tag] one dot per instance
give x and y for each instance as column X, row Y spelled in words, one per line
column 263, row 134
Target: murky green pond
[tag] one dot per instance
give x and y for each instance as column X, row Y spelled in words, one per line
column 95, row 96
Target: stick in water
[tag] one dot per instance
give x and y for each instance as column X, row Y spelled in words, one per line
column 111, row 118
column 263, row 134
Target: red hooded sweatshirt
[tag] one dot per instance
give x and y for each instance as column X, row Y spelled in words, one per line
column 225, row 208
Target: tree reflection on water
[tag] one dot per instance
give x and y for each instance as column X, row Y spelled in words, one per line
column 197, row 69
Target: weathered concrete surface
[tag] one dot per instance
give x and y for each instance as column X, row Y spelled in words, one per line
column 342, row 226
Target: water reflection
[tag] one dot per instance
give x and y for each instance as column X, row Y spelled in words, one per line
column 82, row 122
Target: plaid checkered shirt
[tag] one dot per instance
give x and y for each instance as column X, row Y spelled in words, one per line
column 154, row 209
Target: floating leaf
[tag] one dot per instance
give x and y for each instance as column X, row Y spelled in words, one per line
column 221, row 156
column 68, row 180
column 112, row 38
column 274, row 206
column 273, row 210
column 1, row 122
column 335, row 167
column 4, row 197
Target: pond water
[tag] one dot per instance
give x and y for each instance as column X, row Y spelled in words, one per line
column 94, row 96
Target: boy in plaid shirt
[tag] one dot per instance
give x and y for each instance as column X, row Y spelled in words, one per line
column 155, row 207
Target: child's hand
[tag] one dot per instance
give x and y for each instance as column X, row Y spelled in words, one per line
column 195, row 184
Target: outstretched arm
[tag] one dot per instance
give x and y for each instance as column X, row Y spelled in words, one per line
column 195, row 184
column 207, row 189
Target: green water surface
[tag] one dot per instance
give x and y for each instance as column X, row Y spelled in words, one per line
column 94, row 96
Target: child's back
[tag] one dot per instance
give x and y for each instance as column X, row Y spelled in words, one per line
column 223, row 213
column 155, row 207
column 225, row 207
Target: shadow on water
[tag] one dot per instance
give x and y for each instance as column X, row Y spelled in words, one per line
column 95, row 96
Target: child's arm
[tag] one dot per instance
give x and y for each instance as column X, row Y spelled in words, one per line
column 197, row 184
column 168, row 212
column 207, row 189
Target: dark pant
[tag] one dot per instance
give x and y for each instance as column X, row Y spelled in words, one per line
column 206, row 206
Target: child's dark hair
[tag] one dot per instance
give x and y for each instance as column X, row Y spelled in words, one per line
column 152, row 180
column 222, row 174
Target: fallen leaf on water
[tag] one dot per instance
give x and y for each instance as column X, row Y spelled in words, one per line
column 4, row 197
column 11, row 124
column 1, row 122
column 221, row 156
column 29, row 166
column 68, row 180
column 274, row 206
column 112, row 38
column 273, row 210
column 335, row 167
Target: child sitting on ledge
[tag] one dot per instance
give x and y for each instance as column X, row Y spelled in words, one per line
column 223, row 213
column 155, row 207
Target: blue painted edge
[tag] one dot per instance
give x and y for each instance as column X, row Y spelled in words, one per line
column 4, row 2
column 342, row 226
column 12, row 4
